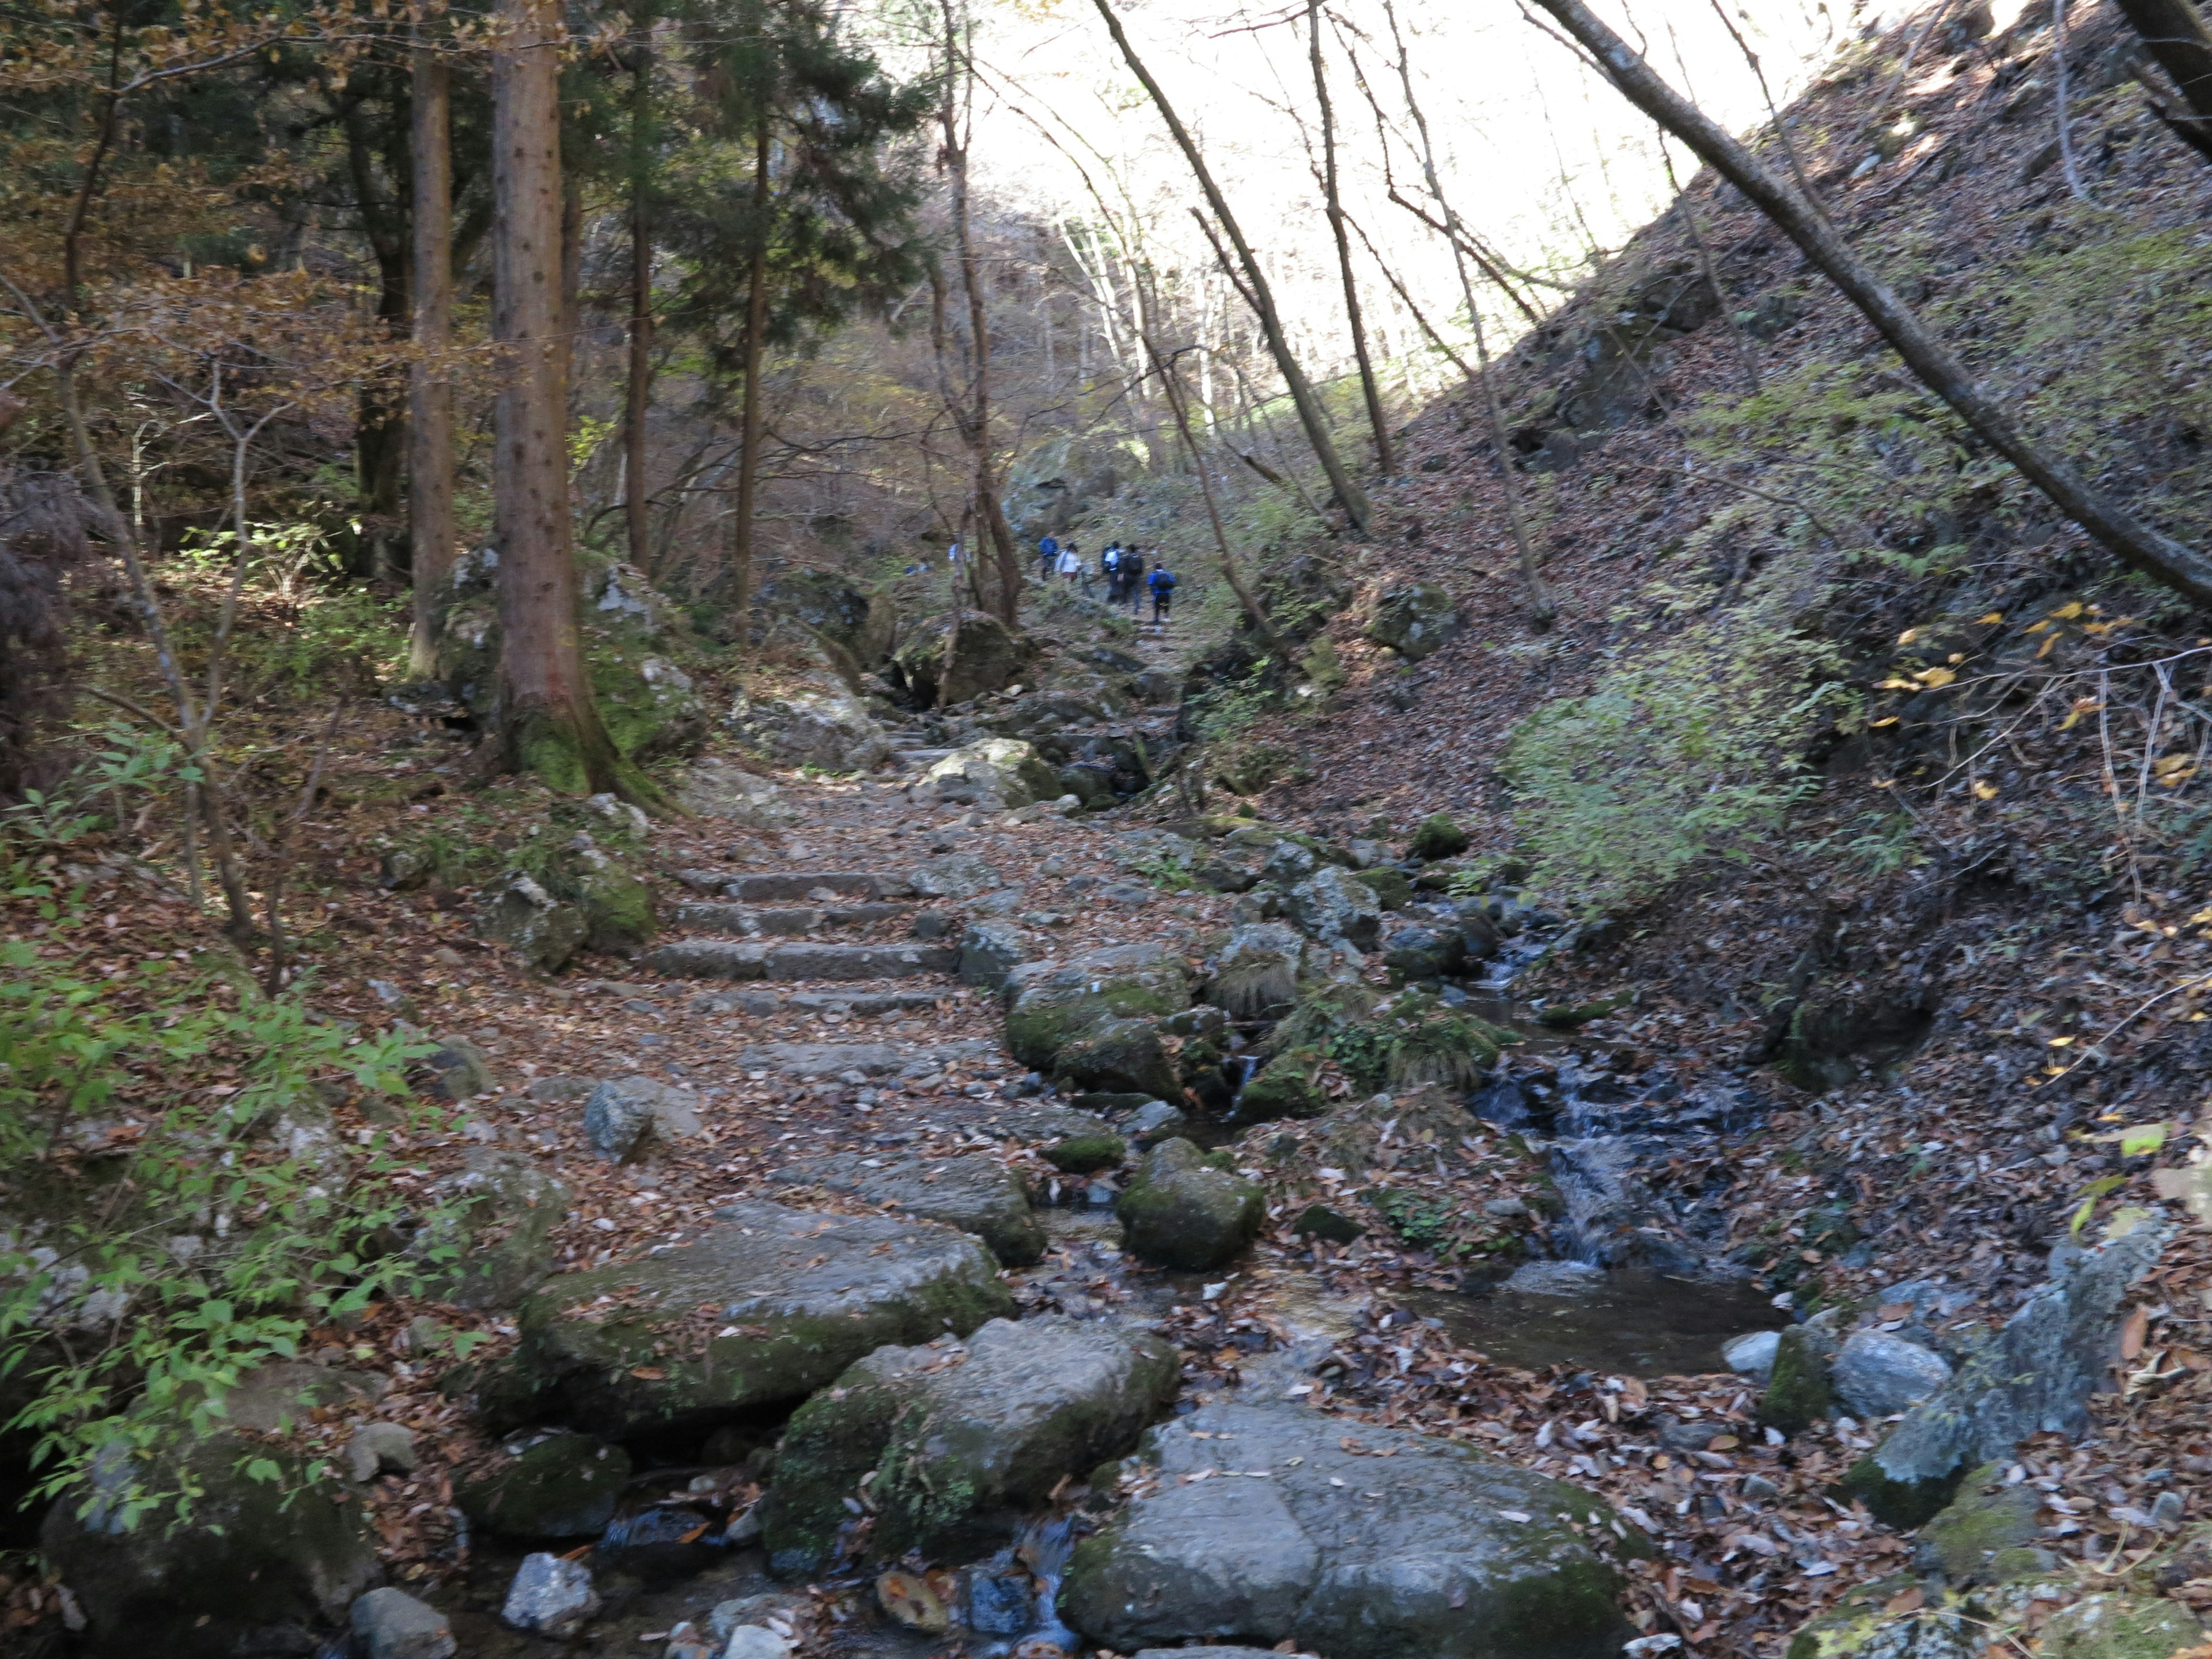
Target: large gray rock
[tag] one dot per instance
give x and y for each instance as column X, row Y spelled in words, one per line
column 977, row 1194
column 1050, row 1004
column 1262, row 1525
column 620, row 1112
column 828, row 730
column 1876, row 1374
column 764, row 1307
column 1335, row 908
column 1255, row 973
column 995, row 773
column 2035, row 1375
column 546, row 1484
column 550, row 1597
column 1413, row 619
column 964, row 1437
column 390, row 1623
column 540, row 929
column 989, row 950
column 721, row 789
column 489, row 1241
column 955, row 875
column 249, row 1572
column 1184, row 1209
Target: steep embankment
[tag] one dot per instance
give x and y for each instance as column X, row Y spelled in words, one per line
column 1880, row 789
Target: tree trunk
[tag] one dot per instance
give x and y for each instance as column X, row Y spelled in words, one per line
column 380, row 443
column 1255, row 290
column 1385, row 461
column 749, row 419
column 979, row 423
column 549, row 723
column 637, row 498
column 2176, row 37
column 2132, row 541
column 430, row 425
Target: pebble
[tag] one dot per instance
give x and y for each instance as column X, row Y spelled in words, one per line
column 390, row 1623
column 380, row 1449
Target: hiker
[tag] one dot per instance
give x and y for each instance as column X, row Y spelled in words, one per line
column 1109, row 565
column 1048, row 555
column 1133, row 579
column 1163, row 583
column 1071, row 562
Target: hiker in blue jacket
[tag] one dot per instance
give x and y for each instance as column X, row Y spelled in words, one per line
column 1048, row 556
column 1162, row 582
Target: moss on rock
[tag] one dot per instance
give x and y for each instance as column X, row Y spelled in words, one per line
column 1188, row 1211
column 1799, row 1391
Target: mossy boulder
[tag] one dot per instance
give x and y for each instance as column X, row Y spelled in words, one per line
column 1986, row 1535
column 765, row 1306
column 1320, row 1221
column 1189, row 1211
column 618, row 906
column 547, row 1485
column 261, row 1565
column 2115, row 1626
column 1436, row 837
column 1393, row 888
column 1418, row 956
column 1943, row 1625
column 1050, row 1004
column 995, row 773
column 1087, row 1154
column 961, row 1439
column 1263, row 1524
column 1413, row 619
column 1800, row 1390
column 1284, row 1088
column 541, row 930
column 1118, row 1056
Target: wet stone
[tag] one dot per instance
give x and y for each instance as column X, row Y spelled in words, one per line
column 390, row 1623
column 1292, row 1535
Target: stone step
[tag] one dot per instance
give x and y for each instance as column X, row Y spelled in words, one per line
column 925, row 756
column 749, row 921
column 732, row 959
column 860, row 1004
column 787, row 886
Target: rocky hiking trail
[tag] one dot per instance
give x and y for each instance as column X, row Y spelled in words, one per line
column 1012, row 1229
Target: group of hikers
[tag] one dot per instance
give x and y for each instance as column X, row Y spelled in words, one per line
column 1127, row 581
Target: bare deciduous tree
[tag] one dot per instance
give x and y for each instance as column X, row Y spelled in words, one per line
column 2134, row 542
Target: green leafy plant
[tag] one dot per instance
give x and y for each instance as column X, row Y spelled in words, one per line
column 1690, row 749
column 181, row 1209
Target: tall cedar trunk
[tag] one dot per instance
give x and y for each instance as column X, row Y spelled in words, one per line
column 1386, row 462
column 637, row 499
column 979, row 422
column 2176, row 37
column 430, row 424
column 2112, row 526
column 549, row 723
column 749, row 419
column 1256, row 292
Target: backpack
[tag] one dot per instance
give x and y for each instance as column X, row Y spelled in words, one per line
column 1162, row 581
column 1049, row 546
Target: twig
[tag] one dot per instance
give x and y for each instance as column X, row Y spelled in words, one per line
column 2065, row 130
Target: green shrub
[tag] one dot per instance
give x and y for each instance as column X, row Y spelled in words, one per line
column 231, row 1220
column 1690, row 750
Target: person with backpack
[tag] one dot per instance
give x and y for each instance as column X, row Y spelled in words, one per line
column 1048, row 555
column 1163, row 584
column 1109, row 566
column 1133, row 579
